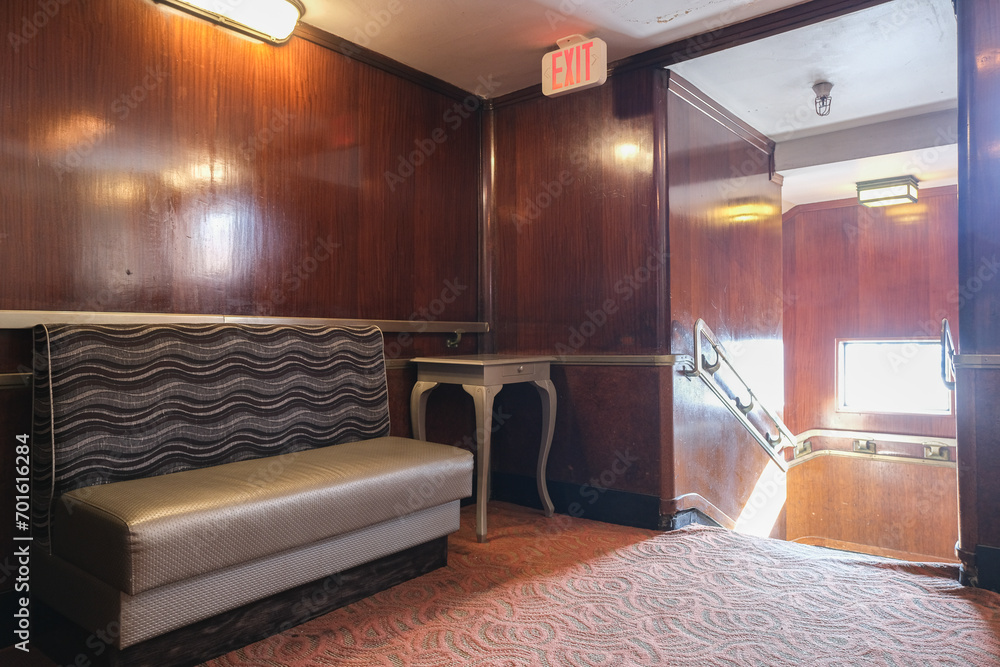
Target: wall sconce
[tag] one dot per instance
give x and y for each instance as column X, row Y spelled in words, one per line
column 823, row 99
column 888, row 191
column 270, row 20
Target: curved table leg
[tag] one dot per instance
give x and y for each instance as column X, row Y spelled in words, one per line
column 483, row 397
column 418, row 408
column 547, row 392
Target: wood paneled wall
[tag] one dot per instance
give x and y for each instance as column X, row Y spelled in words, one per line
column 725, row 267
column 903, row 508
column 979, row 253
column 852, row 271
column 591, row 191
column 578, row 224
column 154, row 162
column 577, row 247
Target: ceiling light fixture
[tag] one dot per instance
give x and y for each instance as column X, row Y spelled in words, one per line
column 823, row 99
column 270, row 20
column 888, row 191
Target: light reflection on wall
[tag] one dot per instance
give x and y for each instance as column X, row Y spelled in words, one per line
column 761, row 362
column 214, row 243
column 749, row 211
column 78, row 130
column 763, row 508
column 198, row 173
column 633, row 155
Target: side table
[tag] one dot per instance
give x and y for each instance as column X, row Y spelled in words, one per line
column 482, row 376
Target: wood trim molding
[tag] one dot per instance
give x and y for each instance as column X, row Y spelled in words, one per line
column 15, row 380
column 873, row 435
column 720, row 38
column 625, row 360
column 691, row 94
column 348, row 48
column 841, row 545
column 487, row 222
column 693, row 501
column 873, row 457
column 25, row 319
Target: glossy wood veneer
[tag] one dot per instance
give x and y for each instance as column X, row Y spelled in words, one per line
column 175, row 166
column 861, row 500
column 855, row 272
column 576, row 222
column 724, row 230
column 978, row 241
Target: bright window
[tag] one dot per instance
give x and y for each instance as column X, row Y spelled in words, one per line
column 898, row 376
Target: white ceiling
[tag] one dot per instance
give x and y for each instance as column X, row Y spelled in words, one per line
column 891, row 61
column 893, row 67
column 461, row 40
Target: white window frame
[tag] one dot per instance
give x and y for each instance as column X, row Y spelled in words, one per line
column 841, row 371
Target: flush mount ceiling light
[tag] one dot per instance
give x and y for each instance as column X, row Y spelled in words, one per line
column 823, row 99
column 888, row 191
column 270, row 20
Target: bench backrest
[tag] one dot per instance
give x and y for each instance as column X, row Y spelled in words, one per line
column 121, row 402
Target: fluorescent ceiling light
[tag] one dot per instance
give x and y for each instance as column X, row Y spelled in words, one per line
column 888, row 191
column 270, row 20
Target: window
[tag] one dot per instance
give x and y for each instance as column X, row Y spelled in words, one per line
column 897, row 376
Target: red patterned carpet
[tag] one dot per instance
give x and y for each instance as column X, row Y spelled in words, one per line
column 565, row 591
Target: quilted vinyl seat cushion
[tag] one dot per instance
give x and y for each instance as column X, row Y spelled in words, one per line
column 139, row 534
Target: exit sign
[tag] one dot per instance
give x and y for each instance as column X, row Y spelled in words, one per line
column 575, row 67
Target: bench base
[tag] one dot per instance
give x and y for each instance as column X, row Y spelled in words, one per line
column 68, row 644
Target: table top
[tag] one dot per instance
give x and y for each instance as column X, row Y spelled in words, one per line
column 484, row 359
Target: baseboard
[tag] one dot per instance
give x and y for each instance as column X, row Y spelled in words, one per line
column 988, row 567
column 68, row 644
column 882, row 552
column 688, row 517
column 608, row 505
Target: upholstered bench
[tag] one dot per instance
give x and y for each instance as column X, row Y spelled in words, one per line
column 182, row 471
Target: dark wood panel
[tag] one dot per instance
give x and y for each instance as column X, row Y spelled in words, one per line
column 576, row 238
column 607, row 433
column 15, row 351
column 856, row 499
column 978, row 456
column 175, row 166
column 979, row 176
column 851, row 271
column 978, row 249
column 725, row 267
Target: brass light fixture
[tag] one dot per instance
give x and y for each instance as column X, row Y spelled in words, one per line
column 270, row 20
column 888, row 191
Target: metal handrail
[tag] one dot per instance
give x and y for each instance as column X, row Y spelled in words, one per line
column 773, row 445
column 947, row 355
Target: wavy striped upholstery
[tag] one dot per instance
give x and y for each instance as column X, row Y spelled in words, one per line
column 121, row 402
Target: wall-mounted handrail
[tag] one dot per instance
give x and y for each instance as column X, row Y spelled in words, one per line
column 773, row 445
column 947, row 355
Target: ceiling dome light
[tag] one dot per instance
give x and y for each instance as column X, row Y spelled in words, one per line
column 270, row 20
column 823, row 98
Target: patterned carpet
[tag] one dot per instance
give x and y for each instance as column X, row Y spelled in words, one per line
column 565, row 591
